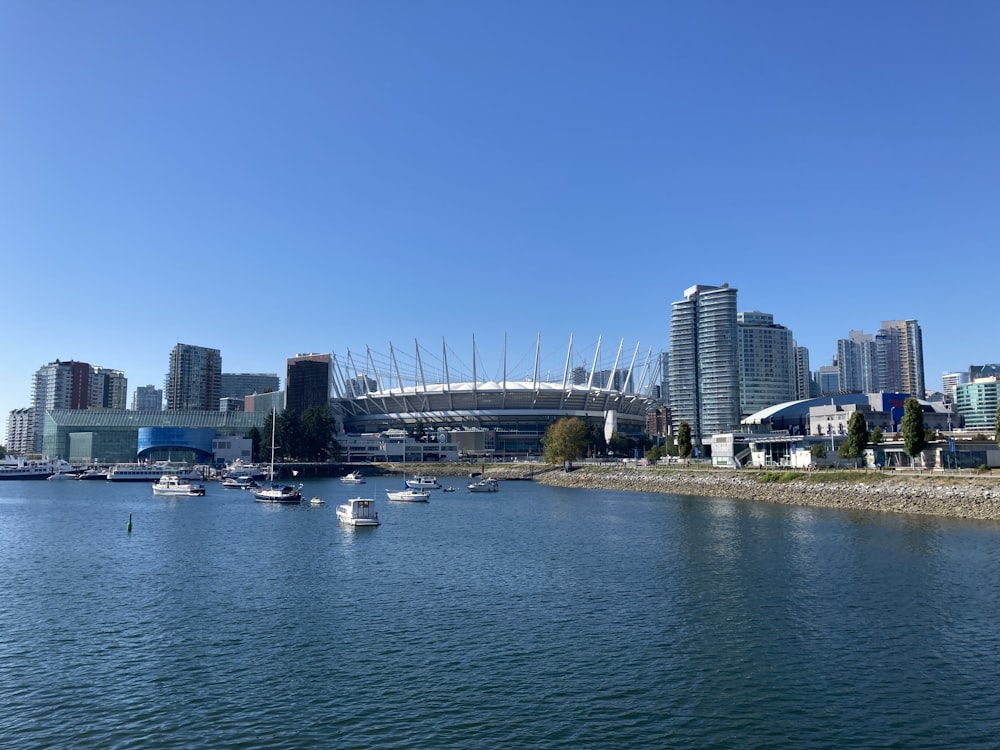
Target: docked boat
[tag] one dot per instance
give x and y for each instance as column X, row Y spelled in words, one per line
column 240, row 483
column 278, row 493
column 358, row 511
column 487, row 484
column 171, row 485
column 22, row 468
column 355, row 477
column 93, row 473
column 423, row 483
column 409, row 495
column 60, row 475
column 152, row 472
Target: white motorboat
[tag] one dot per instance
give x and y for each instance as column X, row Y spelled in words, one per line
column 358, row 511
column 487, row 484
column 278, row 493
column 240, row 483
column 355, row 477
column 152, row 472
column 423, row 482
column 171, row 485
column 22, row 468
column 409, row 495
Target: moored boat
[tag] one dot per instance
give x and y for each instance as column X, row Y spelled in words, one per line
column 358, row 511
column 409, row 495
column 355, row 477
column 486, row 484
column 23, row 468
column 423, row 482
column 171, row 485
column 278, row 493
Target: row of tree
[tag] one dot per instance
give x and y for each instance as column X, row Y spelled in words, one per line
column 298, row 436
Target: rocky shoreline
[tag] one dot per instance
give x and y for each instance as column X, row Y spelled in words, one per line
column 965, row 496
column 973, row 497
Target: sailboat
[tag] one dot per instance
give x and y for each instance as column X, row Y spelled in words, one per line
column 408, row 494
column 275, row 492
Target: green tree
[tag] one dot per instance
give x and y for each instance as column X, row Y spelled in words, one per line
column 818, row 450
column 655, row 453
column 255, row 441
column 857, row 437
column 597, row 445
column 684, row 445
column 314, row 442
column 876, row 438
column 565, row 441
column 912, row 427
column 996, row 425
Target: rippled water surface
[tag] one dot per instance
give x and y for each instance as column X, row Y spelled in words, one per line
column 533, row 617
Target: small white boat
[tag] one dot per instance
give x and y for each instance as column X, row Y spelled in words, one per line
column 487, row 484
column 423, row 483
column 355, row 477
column 358, row 511
column 59, row 475
column 171, row 485
column 278, row 493
column 240, row 483
column 409, row 495
column 317, row 501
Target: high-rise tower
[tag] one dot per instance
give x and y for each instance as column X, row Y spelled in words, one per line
column 308, row 381
column 193, row 383
column 899, row 351
column 704, row 362
column 767, row 362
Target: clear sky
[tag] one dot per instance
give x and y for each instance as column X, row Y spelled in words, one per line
column 274, row 178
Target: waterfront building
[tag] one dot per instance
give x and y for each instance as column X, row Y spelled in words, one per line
column 147, row 398
column 308, row 382
column 704, row 362
column 767, row 362
column 194, row 380
column 240, row 384
column 976, row 403
column 20, row 431
column 105, row 436
column 899, row 352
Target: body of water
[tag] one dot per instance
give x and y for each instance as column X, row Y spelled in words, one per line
column 532, row 617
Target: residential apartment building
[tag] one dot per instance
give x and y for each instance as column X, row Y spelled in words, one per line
column 704, row 379
column 20, row 431
column 766, row 360
column 147, row 398
column 194, row 380
column 240, row 384
column 58, row 385
column 856, row 362
column 899, row 352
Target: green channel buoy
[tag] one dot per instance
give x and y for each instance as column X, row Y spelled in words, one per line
column 129, row 527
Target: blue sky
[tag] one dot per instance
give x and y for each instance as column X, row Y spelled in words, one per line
column 276, row 178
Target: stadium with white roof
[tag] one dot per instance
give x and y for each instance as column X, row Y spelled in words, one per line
column 512, row 406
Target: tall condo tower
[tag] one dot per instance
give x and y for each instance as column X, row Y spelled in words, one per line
column 308, row 381
column 704, row 375
column 767, row 362
column 58, row 385
column 194, row 380
column 899, row 350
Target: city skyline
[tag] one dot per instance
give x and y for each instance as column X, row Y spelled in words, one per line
column 271, row 182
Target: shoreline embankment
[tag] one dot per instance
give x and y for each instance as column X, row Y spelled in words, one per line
column 967, row 496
